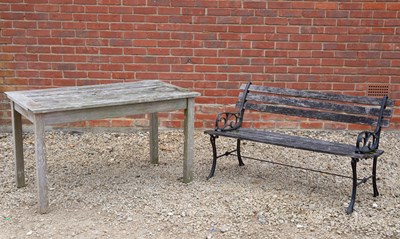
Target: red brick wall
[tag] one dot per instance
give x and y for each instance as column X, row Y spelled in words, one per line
column 208, row 46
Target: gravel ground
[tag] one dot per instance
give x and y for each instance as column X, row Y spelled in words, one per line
column 103, row 186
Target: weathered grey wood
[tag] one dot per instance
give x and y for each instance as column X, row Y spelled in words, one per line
column 315, row 114
column 113, row 111
column 18, row 147
column 87, row 97
column 189, row 142
column 154, row 138
column 322, row 105
column 297, row 142
column 41, row 164
column 318, row 95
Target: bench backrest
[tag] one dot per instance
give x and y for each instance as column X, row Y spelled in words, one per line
column 318, row 105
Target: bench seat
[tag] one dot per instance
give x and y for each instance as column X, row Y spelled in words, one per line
column 297, row 142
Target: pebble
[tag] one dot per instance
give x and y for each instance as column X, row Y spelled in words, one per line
column 261, row 218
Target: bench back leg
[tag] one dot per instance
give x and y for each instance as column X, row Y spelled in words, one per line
column 238, row 153
column 376, row 193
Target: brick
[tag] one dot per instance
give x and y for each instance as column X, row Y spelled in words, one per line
column 231, row 69
column 337, row 14
column 208, row 68
column 159, row 3
column 182, row 68
column 393, row 6
column 204, row 20
column 182, row 52
column 256, row 5
column 350, row 6
column 109, row 2
column 111, row 51
column 158, row 68
column 243, row 12
column 229, row 53
column 280, row 5
column 193, row 11
column 46, row 8
column 263, row 45
column 219, row 12
column 374, row 6
column 111, row 67
column 335, row 126
column 253, row 53
column 215, row 61
column 326, row 5
column 303, row 5
column 144, row 43
column 64, row 82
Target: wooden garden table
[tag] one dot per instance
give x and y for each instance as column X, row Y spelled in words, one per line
column 71, row 104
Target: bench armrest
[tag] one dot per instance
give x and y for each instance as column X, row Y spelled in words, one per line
column 367, row 142
column 228, row 121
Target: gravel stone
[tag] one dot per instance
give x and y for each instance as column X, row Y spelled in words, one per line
column 102, row 185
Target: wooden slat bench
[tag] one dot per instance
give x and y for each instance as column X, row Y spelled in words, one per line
column 309, row 104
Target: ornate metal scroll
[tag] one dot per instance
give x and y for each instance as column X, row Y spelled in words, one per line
column 368, row 142
column 229, row 120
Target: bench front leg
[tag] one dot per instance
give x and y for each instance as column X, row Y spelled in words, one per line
column 355, row 183
column 214, row 162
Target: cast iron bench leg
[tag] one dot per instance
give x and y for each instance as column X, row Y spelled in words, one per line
column 238, row 153
column 214, row 163
column 354, row 191
column 376, row 193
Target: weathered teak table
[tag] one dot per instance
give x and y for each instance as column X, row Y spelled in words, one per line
column 71, row 104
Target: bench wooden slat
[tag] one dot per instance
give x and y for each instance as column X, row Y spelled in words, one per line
column 318, row 95
column 314, row 114
column 296, row 142
column 359, row 110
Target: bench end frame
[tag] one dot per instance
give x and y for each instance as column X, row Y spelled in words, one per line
column 228, row 121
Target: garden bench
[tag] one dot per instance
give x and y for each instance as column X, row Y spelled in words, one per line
column 309, row 104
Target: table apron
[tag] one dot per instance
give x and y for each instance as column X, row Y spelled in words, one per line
column 113, row 111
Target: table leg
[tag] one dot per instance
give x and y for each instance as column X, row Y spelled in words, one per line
column 154, row 138
column 189, row 141
column 18, row 146
column 41, row 165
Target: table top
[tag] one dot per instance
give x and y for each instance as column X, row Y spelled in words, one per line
column 93, row 96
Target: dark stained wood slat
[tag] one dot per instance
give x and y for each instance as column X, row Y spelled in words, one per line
column 296, row 142
column 314, row 114
column 318, row 95
column 351, row 109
